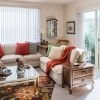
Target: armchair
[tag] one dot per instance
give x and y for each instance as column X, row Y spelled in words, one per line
column 77, row 56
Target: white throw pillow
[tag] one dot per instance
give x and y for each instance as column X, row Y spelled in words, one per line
column 81, row 56
column 74, row 56
column 56, row 52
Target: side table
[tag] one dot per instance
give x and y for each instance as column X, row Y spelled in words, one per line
column 42, row 49
column 74, row 76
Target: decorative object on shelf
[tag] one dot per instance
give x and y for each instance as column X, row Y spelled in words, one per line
column 4, row 71
column 20, row 66
column 44, row 42
column 71, row 27
column 52, row 27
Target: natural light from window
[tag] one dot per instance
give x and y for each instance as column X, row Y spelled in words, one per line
column 19, row 25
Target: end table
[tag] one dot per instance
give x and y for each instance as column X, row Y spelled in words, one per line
column 42, row 49
column 74, row 76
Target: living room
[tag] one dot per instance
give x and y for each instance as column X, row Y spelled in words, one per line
column 49, row 50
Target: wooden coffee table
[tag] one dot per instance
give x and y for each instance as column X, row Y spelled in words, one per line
column 29, row 75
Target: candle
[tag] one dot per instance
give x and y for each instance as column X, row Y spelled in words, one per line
column 41, row 38
column 41, row 35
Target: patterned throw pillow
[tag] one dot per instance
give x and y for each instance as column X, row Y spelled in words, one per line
column 33, row 48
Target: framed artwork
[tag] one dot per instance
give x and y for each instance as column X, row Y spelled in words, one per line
column 71, row 27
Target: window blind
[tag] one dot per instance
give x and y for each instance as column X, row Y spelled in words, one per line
column 19, row 25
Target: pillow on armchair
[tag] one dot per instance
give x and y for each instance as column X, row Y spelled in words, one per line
column 81, row 56
column 49, row 48
column 55, row 52
column 74, row 56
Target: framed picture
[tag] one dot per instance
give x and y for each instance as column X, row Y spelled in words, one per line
column 71, row 27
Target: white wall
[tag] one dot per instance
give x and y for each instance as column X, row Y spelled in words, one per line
column 47, row 10
column 71, row 11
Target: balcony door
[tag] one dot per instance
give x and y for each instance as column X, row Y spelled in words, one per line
column 89, row 28
column 91, row 31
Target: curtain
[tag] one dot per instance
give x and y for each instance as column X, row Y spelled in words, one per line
column 80, row 33
column 19, row 25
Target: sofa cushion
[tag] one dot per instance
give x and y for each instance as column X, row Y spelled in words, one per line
column 56, row 52
column 31, row 57
column 57, row 69
column 44, row 60
column 22, row 48
column 74, row 56
column 1, row 51
column 9, row 49
column 33, row 48
column 10, row 58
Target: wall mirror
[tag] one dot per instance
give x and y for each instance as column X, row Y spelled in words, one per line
column 51, row 27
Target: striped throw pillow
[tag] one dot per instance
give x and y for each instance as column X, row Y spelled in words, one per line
column 33, row 48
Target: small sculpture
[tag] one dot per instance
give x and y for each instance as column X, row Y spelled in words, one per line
column 20, row 64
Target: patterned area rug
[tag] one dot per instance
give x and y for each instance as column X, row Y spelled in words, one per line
column 27, row 91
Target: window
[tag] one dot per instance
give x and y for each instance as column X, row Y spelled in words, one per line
column 19, row 25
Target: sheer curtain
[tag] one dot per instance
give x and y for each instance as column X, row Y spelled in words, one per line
column 80, row 32
column 19, row 25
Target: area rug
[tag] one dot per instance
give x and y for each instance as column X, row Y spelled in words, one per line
column 27, row 91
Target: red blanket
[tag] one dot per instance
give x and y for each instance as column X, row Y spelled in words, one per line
column 65, row 58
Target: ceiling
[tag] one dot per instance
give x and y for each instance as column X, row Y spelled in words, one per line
column 46, row 1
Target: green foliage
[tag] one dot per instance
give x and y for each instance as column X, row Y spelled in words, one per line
column 90, row 35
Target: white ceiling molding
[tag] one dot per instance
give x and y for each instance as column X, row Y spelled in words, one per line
column 45, row 1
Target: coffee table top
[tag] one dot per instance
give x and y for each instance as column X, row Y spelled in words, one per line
column 28, row 75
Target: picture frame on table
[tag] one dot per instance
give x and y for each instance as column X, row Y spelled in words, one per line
column 70, row 27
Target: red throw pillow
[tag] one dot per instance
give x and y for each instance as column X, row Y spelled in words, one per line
column 22, row 48
column 1, row 51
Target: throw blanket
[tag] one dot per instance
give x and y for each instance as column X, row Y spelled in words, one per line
column 65, row 58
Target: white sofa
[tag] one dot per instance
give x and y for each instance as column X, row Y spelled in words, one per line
column 10, row 56
column 77, row 55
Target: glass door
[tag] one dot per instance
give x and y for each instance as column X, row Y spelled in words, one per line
column 98, row 38
column 90, row 33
